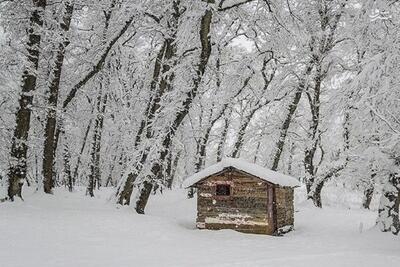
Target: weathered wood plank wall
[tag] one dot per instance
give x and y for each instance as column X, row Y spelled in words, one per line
column 244, row 210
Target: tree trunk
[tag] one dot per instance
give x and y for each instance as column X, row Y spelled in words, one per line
column 290, row 162
column 205, row 54
column 368, row 194
column 49, row 142
column 316, row 188
column 222, row 140
column 125, row 189
column 201, row 152
column 95, row 174
column 388, row 213
column 316, row 196
column 67, row 177
column 18, row 167
column 313, row 132
column 161, row 83
column 144, row 193
column 78, row 162
column 328, row 24
column 96, row 68
column 288, row 120
column 172, row 170
column 237, row 147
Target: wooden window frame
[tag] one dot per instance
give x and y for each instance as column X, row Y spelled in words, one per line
column 223, row 196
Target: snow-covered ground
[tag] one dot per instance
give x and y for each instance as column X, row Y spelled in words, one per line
column 73, row 230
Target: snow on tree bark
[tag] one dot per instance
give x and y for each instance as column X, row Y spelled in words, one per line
column 156, row 169
column 388, row 213
column 160, row 84
column 18, row 165
column 54, row 87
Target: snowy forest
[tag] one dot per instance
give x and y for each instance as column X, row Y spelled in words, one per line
column 136, row 95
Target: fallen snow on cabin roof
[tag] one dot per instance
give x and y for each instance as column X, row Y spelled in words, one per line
column 251, row 168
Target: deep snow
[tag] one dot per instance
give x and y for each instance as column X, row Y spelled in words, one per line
column 73, row 230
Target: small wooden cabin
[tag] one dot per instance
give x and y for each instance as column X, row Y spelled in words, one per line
column 235, row 194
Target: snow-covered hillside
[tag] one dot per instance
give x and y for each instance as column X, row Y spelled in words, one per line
column 74, row 230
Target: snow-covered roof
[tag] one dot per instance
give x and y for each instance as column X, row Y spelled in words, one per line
column 250, row 168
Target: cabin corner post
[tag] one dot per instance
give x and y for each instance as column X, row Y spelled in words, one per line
column 284, row 204
column 200, row 220
column 274, row 211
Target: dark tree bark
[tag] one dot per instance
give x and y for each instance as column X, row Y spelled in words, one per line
column 95, row 173
column 96, row 68
column 18, row 168
column 316, row 196
column 255, row 158
column 329, row 24
column 205, row 39
column 221, row 143
column 237, row 147
column 289, row 116
column 158, row 87
column 204, row 139
column 171, row 169
column 49, row 143
column 315, row 192
column 161, row 83
column 388, row 213
column 313, row 133
column 67, row 177
column 78, row 162
column 368, row 194
column 52, row 139
column 162, row 79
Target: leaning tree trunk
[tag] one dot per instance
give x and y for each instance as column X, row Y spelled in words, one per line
column 79, row 160
column 316, row 189
column 205, row 54
column 157, row 88
column 288, row 120
column 95, row 175
column 201, row 151
column 237, row 147
column 160, row 84
column 67, row 177
column 326, row 44
column 94, row 70
column 49, row 142
column 388, row 213
column 238, row 144
column 18, row 167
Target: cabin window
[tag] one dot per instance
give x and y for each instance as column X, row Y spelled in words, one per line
column 223, row 190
